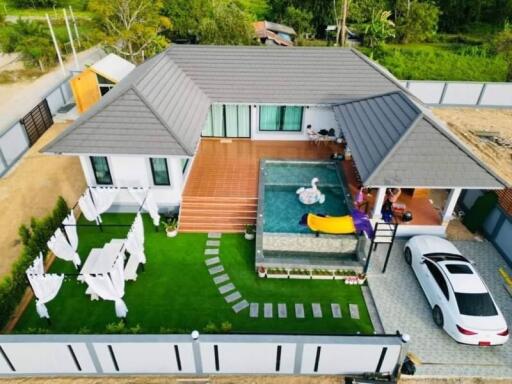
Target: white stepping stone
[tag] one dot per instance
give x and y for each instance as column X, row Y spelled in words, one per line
column 233, row 297
column 240, row 306
column 254, row 309
column 317, row 310
column 211, row 251
column 267, row 310
column 220, row 279
column 216, row 269
column 213, row 260
column 354, row 311
column 299, row 311
column 214, row 235
column 282, row 313
column 212, row 243
column 336, row 311
column 226, row 288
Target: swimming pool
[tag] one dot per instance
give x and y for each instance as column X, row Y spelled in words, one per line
column 282, row 210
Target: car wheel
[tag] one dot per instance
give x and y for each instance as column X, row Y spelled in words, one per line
column 408, row 255
column 437, row 315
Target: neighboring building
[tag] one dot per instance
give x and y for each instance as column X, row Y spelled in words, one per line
column 270, row 33
column 145, row 131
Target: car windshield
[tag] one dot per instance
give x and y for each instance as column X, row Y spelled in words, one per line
column 475, row 304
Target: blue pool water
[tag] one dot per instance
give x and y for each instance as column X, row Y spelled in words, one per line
column 282, row 210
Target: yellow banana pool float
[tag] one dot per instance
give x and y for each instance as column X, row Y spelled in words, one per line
column 335, row 225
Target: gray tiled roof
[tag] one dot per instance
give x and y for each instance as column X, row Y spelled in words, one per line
column 395, row 143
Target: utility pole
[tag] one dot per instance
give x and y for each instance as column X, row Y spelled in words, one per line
column 77, row 65
column 56, row 45
column 74, row 25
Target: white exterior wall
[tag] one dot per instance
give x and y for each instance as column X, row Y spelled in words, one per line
column 135, row 171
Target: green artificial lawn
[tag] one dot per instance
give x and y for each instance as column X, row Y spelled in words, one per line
column 175, row 293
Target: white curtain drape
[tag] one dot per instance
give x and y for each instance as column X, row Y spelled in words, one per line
column 62, row 249
column 103, row 199
column 70, row 229
column 88, row 208
column 45, row 286
column 135, row 246
column 145, row 196
column 110, row 287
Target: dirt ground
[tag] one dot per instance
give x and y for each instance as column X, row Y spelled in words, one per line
column 31, row 189
column 465, row 121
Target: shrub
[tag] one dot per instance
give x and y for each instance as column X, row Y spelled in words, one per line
column 210, row 328
column 119, row 327
column 226, row 327
column 34, row 240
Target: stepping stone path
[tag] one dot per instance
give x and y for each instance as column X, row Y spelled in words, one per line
column 214, row 235
column 336, row 311
column 254, row 309
column 233, row 297
column 282, row 313
column 213, row 260
column 317, row 310
column 240, row 306
column 267, row 310
column 220, row 279
column 226, row 288
column 299, row 311
column 354, row 311
column 213, row 243
column 211, row 251
column 216, row 269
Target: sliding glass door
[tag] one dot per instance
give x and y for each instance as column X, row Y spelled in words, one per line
column 280, row 118
column 229, row 120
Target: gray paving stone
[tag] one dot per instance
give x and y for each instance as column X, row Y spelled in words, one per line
column 211, row 261
column 226, row 288
column 282, row 312
column 214, row 235
column 241, row 305
column 354, row 311
column 336, row 311
column 220, row 279
column 299, row 311
column 233, row 297
column 216, row 269
column 254, row 310
column 212, row 243
column 317, row 310
column 211, row 251
column 267, row 310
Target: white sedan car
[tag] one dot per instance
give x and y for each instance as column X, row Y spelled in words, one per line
column 461, row 302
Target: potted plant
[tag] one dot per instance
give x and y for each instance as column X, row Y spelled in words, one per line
column 262, row 271
column 300, row 274
column 361, row 278
column 171, row 226
column 250, row 232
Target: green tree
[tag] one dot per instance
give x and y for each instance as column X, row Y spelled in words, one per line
column 298, row 19
column 256, row 9
column 132, row 28
column 503, row 45
column 416, row 21
column 226, row 23
column 361, row 10
column 379, row 29
column 38, row 3
column 186, row 16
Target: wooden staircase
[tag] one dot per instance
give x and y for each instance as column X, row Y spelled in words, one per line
column 217, row 214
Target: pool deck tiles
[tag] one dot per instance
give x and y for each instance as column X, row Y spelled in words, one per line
column 216, row 269
column 220, row 279
column 241, row 305
column 267, row 310
column 226, row 288
column 211, row 251
column 211, row 261
column 336, row 311
column 354, row 311
column 212, row 243
column 214, row 235
column 282, row 312
column 317, row 310
column 233, row 297
column 254, row 310
column 299, row 311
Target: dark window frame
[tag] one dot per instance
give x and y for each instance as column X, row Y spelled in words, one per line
column 168, row 184
column 111, row 182
column 282, row 111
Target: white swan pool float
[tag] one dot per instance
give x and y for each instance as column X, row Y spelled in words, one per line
column 311, row 195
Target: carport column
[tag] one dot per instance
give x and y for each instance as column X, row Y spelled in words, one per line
column 176, row 172
column 449, row 206
column 379, row 201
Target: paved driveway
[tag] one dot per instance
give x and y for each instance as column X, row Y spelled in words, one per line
column 402, row 306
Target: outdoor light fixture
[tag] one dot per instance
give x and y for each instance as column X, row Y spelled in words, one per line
column 195, row 335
